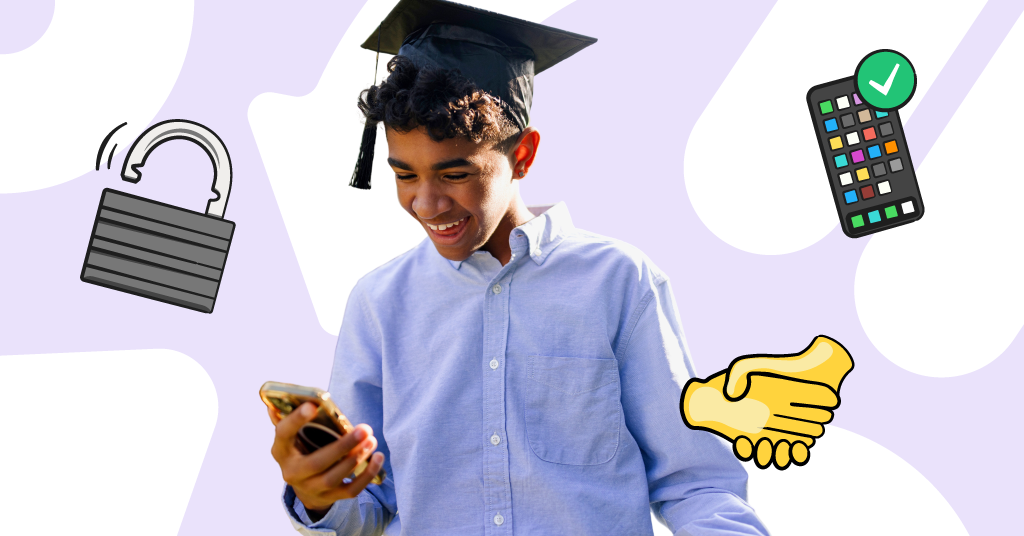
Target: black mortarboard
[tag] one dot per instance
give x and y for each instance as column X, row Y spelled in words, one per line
column 500, row 54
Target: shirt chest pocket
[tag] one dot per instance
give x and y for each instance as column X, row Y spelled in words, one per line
column 572, row 409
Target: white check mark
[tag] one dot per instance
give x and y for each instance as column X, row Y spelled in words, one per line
column 884, row 90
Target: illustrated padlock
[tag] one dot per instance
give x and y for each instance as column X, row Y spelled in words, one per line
column 156, row 250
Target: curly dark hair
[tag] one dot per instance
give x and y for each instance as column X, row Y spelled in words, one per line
column 442, row 100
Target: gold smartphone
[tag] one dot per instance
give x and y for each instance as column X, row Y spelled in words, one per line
column 327, row 426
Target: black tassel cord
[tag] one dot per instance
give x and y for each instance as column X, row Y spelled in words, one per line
column 364, row 164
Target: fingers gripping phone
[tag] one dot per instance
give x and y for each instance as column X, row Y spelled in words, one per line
column 327, row 426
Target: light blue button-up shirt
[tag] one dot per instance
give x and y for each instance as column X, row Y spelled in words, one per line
column 539, row 397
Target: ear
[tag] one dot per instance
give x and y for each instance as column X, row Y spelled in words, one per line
column 525, row 152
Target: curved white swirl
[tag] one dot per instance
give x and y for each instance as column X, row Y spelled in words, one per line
column 100, row 63
column 92, row 427
column 753, row 168
column 944, row 296
column 851, row 486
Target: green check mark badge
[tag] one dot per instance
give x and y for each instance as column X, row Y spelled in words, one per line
column 899, row 83
column 884, row 90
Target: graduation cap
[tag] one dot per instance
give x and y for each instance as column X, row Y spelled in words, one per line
column 500, row 54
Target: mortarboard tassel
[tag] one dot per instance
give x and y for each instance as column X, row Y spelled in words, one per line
column 364, row 164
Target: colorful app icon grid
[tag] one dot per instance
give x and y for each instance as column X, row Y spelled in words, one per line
column 865, row 151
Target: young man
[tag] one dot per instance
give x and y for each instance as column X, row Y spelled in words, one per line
column 518, row 375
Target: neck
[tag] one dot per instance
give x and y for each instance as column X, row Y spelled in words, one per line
column 516, row 215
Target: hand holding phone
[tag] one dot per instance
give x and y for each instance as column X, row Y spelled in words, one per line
column 317, row 448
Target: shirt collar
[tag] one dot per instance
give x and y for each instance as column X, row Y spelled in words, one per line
column 540, row 236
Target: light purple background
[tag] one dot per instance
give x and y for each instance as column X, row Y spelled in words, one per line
column 22, row 25
column 614, row 122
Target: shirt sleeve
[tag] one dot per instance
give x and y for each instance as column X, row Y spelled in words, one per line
column 355, row 387
column 697, row 486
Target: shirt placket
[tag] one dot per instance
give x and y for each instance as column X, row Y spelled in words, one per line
column 497, row 488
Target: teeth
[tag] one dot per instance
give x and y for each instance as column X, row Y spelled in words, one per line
column 444, row 226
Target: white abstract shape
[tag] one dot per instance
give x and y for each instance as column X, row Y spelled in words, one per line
column 851, row 486
column 659, row 529
column 309, row 146
column 944, row 296
column 102, row 442
column 752, row 166
column 99, row 64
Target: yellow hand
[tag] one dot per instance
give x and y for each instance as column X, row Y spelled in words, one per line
column 782, row 405
column 824, row 361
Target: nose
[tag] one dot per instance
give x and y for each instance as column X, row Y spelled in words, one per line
column 431, row 200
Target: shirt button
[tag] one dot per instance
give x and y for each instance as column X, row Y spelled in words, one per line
column 496, row 289
column 498, row 519
column 494, row 441
column 494, row 364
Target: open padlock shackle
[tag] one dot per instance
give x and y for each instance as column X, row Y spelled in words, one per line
column 183, row 129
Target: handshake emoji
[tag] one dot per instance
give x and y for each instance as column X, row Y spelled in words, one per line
column 771, row 407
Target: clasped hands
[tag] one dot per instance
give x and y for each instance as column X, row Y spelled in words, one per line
column 772, row 408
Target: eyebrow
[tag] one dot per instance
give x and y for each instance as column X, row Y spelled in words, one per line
column 458, row 162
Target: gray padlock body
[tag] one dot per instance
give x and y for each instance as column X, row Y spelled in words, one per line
column 157, row 251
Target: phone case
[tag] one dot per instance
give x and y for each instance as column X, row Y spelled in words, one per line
column 328, row 424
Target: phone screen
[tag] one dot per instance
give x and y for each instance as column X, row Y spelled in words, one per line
column 319, row 432
column 314, row 436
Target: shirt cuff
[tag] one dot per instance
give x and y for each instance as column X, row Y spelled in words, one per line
column 327, row 525
column 300, row 512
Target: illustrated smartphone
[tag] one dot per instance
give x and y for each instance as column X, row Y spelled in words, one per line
column 867, row 161
column 327, row 426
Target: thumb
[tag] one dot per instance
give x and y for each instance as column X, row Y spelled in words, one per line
column 824, row 361
column 717, row 382
column 684, row 400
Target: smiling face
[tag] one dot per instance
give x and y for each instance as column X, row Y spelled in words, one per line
column 459, row 191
